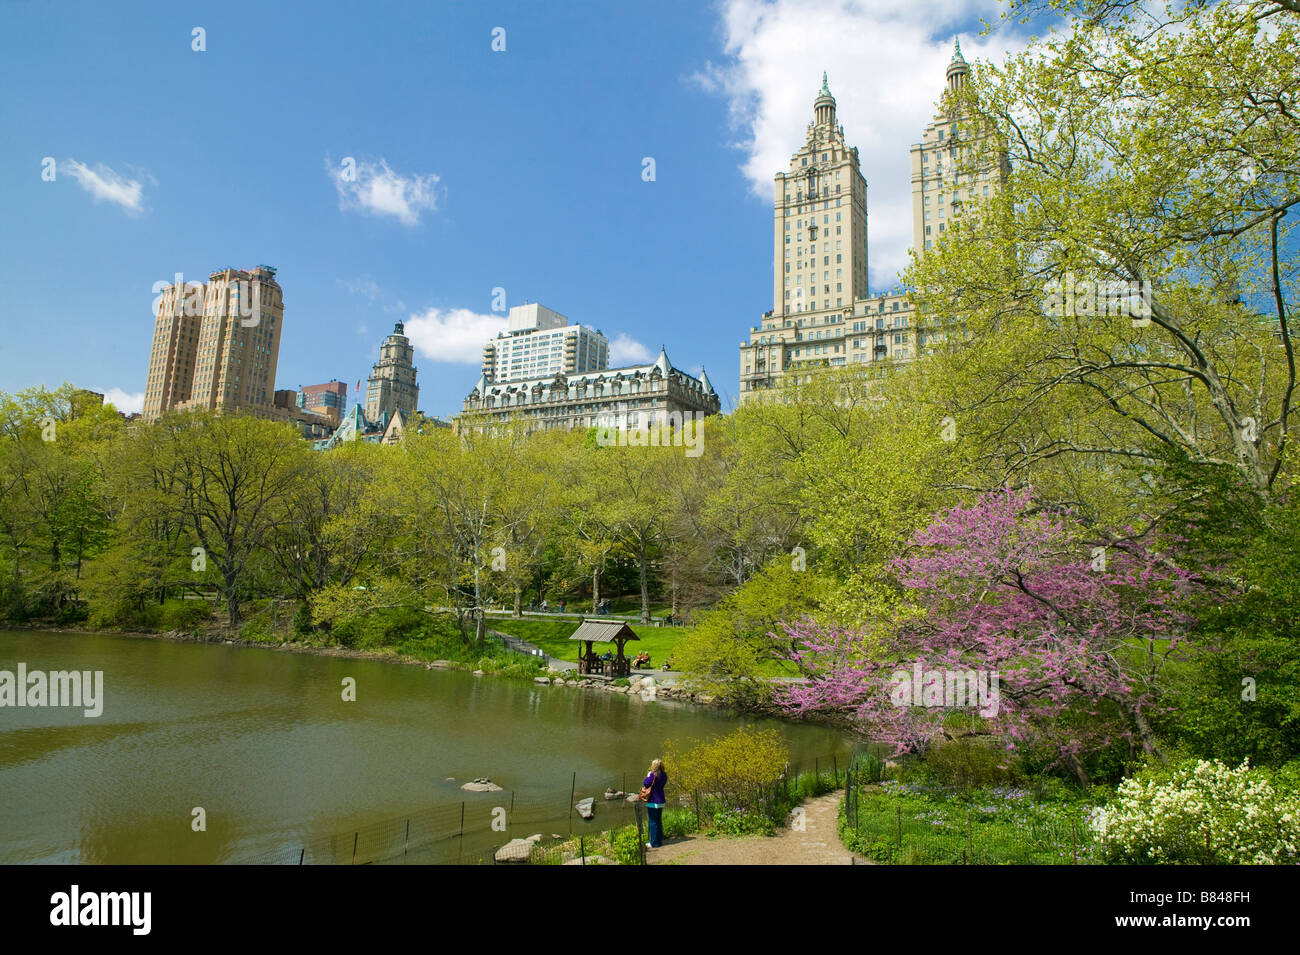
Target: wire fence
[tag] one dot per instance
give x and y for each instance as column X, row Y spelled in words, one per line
column 546, row 827
column 914, row 825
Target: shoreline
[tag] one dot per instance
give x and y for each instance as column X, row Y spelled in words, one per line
column 545, row 677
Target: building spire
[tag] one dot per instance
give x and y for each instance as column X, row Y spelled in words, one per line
column 826, row 89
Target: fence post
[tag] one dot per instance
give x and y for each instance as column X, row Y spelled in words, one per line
column 582, row 848
column 302, row 855
column 898, row 825
column 835, row 765
column 573, row 792
column 407, row 844
column 355, row 836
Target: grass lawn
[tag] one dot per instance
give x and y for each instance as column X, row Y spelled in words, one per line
column 553, row 637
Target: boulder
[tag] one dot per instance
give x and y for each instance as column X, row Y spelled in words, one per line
column 614, row 794
column 544, row 680
column 591, row 860
column 478, row 672
column 482, row 785
column 586, row 807
column 516, row 850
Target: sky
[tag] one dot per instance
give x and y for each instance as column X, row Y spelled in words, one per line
column 394, row 166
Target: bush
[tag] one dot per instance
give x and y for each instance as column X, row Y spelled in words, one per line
column 737, row 768
column 742, row 822
column 968, row 764
column 1201, row 813
column 183, row 614
column 625, row 844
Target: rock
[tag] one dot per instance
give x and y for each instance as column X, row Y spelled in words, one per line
column 440, row 664
column 614, row 794
column 482, row 785
column 556, row 835
column 537, row 837
column 632, row 797
column 516, row 850
column 591, row 860
column 634, row 680
column 544, row 680
column 450, row 779
column 478, row 672
column 586, row 807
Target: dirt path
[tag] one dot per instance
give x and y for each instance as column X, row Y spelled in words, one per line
column 816, row 843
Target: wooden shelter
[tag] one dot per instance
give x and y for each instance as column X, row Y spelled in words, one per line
column 591, row 632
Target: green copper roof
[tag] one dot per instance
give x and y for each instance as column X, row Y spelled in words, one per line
column 956, row 50
column 825, row 90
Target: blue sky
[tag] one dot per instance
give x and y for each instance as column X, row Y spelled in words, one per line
column 478, row 169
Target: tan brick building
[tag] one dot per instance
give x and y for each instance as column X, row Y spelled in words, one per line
column 216, row 345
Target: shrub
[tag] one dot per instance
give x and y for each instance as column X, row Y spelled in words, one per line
column 625, row 844
column 968, row 764
column 1201, row 813
column 183, row 614
column 742, row 822
column 736, row 767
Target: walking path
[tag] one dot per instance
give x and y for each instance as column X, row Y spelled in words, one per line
column 816, row 841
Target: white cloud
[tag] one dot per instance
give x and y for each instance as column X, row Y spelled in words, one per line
column 886, row 62
column 378, row 190
column 624, row 350
column 454, row 335
column 105, row 184
column 123, row 401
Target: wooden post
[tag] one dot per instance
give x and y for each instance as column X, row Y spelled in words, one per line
column 407, row 844
column 835, row 765
column 355, row 836
column 302, row 855
column 573, row 793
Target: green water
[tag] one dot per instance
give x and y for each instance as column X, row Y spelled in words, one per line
column 285, row 769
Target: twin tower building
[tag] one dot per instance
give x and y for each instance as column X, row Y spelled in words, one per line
column 216, row 345
column 823, row 314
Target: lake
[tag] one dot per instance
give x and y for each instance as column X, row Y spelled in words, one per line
column 285, row 770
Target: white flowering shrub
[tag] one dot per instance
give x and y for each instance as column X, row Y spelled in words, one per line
column 1201, row 813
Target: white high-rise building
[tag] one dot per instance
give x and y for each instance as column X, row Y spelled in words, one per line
column 539, row 343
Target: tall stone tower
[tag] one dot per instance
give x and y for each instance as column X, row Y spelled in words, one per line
column 940, row 186
column 391, row 385
column 819, row 258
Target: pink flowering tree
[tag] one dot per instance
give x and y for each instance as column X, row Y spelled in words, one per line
column 1049, row 620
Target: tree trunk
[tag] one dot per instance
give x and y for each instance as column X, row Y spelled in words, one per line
column 519, row 602
column 595, row 589
column 643, row 564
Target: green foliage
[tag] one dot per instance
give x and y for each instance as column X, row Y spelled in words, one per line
column 736, row 768
column 930, row 824
column 742, row 822
column 625, row 843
